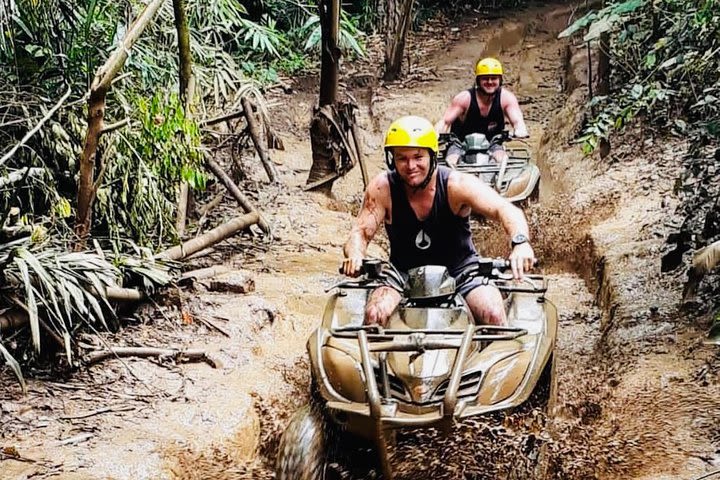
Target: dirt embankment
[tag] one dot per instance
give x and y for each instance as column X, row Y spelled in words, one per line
column 637, row 391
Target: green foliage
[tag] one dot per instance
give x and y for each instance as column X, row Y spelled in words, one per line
column 665, row 58
column 137, row 198
column 350, row 35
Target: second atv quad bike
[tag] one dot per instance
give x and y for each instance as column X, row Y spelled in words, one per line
column 517, row 178
column 430, row 366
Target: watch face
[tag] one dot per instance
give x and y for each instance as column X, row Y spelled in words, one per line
column 518, row 239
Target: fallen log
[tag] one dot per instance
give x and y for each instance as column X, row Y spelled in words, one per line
column 145, row 352
column 203, row 273
column 235, row 192
column 14, row 319
column 255, row 135
column 119, row 294
column 212, row 237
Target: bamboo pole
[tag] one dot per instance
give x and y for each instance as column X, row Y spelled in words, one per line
column 96, row 114
column 142, row 352
column 212, row 237
column 235, row 191
column 255, row 135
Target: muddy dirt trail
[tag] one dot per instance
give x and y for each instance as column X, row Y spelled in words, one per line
column 637, row 392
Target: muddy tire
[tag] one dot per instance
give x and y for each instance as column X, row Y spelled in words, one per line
column 535, row 463
column 302, row 451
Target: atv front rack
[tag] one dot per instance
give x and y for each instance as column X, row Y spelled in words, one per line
column 373, row 338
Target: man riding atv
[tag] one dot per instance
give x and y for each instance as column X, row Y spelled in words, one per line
column 426, row 209
column 482, row 109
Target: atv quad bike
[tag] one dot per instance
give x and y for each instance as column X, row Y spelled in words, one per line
column 430, row 366
column 516, row 178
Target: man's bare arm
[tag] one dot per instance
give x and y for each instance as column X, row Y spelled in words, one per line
column 457, row 109
column 511, row 107
column 468, row 193
column 371, row 216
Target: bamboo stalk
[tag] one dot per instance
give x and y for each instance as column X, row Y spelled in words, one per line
column 212, row 237
column 255, row 135
column 235, row 191
column 203, row 273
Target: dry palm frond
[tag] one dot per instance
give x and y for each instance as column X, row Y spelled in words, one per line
column 14, row 366
column 61, row 286
column 65, row 290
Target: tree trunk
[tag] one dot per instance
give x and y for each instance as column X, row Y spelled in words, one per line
column 324, row 151
column 96, row 114
column 329, row 11
column 186, row 94
column 397, row 23
column 184, row 55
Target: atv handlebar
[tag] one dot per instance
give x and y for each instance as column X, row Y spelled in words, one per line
column 502, row 137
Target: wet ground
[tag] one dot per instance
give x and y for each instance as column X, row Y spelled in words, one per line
column 638, row 393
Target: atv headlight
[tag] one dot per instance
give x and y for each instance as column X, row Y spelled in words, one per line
column 343, row 373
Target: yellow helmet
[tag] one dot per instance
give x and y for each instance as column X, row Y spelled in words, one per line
column 412, row 131
column 488, row 66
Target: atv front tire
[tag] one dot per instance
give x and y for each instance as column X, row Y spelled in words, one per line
column 302, row 451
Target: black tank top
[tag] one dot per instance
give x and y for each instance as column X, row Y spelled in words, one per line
column 443, row 238
column 491, row 125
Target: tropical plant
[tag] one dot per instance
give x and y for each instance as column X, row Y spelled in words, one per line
column 665, row 61
column 349, row 39
column 137, row 197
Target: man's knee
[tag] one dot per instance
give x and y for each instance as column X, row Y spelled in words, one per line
column 486, row 304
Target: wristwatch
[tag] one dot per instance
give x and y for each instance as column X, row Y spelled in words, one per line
column 517, row 239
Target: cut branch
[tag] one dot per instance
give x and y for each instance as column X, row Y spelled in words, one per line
column 115, row 126
column 255, row 135
column 223, row 118
column 212, row 237
column 144, row 352
column 235, row 191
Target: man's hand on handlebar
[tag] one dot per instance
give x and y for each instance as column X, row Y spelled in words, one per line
column 520, row 133
column 352, row 267
column 522, row 260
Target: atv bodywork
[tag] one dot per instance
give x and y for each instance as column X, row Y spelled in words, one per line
column 517, row 178
column 429, row 367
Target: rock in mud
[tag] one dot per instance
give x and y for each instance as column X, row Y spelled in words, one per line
column 233, row 282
